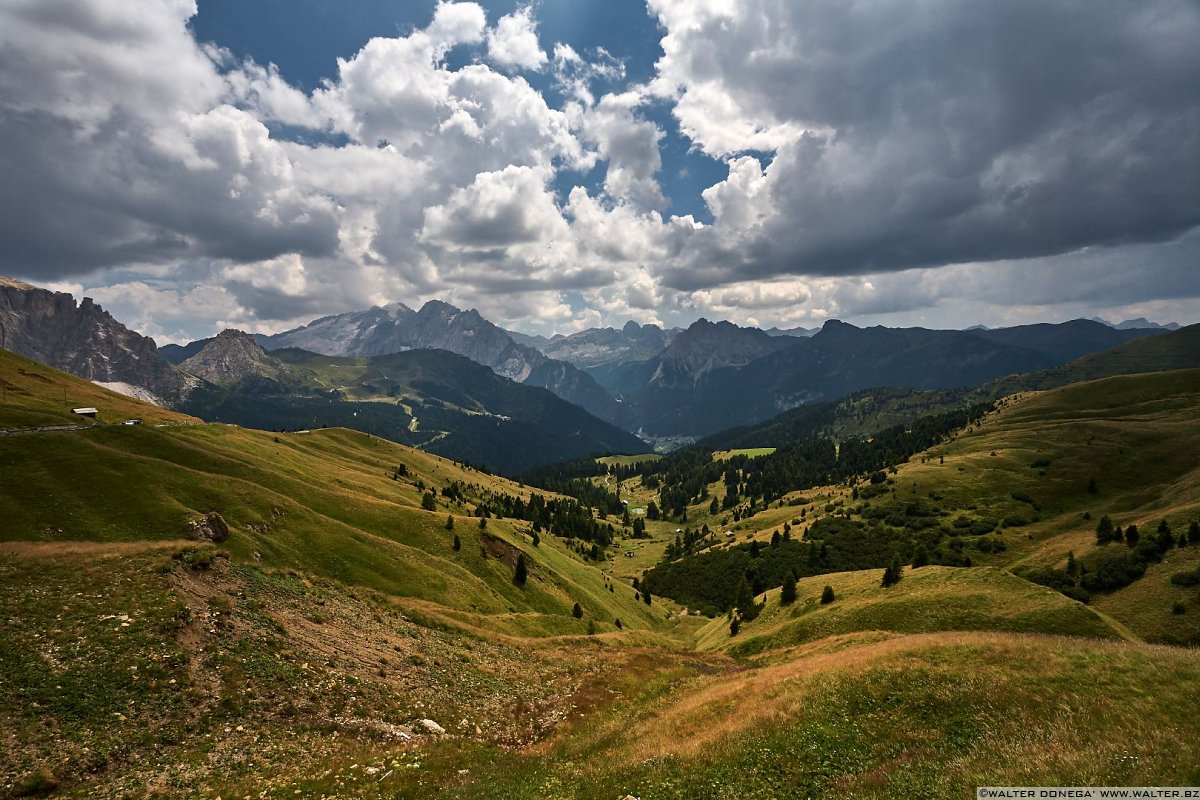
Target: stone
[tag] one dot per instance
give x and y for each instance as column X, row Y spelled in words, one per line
column 432, row 727
column 209, row 528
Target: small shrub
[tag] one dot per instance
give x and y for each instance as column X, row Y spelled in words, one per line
column 827, row 595
column 36, row 784
column 1187, row 578
column 1025, row 497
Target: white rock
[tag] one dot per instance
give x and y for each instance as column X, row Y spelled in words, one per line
column 431, row 726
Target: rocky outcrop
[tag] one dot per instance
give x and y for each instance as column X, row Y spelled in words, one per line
column 209, row 528
column 82, row 339
column 231, row 356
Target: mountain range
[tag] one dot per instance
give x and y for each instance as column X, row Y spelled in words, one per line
column 396, row 328
column 439, row 401
column 640, row 378
column 714, row 376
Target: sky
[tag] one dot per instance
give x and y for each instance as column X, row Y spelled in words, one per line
column 565, row 164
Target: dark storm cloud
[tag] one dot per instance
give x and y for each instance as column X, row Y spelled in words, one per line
column 73, row 200
column 944, row 132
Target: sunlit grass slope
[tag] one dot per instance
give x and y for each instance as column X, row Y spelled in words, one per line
column 1031, row 468
column 927, row 600
column 34, row 395
column 875, row 716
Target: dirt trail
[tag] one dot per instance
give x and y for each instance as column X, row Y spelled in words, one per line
column 53, row 549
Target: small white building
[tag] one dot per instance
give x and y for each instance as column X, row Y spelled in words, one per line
column 86, row 412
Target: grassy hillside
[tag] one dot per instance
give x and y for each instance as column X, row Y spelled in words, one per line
column 867, row 716
column 34, row 395
column 323, row 501
column 926, row 600
column 301, row 656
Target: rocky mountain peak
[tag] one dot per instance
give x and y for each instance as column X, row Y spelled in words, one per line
column 82, row 339
column 706, row 346
column 231, row 356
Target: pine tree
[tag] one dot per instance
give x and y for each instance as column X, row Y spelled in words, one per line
column 577, row 611
column 1132, row 535
column 744, row 602
column 920, row 556
column 713, row 508
column 1091, row 487
column 521, row 572
column 893, row 574
column 618, row 623
column 1194, row 533
column 537, row 540
column 456, row 545
column 827, row 595
column 734, row 624
column 646, row 595
column 450, row 522
column 787, row 593
column 1104, row 530
column 429, row 502
column 1165, row 539
column 483, row 523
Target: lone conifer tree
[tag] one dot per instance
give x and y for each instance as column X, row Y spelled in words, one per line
column 449, row 522
column 893, row 574
column 827, row 595
column 1104, row 530
column 787, row 594
column 734, row 624
column 577, row 611
column 457, row 545
column 744, row 601
column 521, row 572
